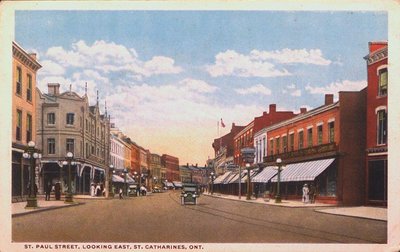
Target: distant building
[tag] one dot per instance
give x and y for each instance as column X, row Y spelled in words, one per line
column 171, row 164
column 377, row 118
column 24, row 68
column 66, row 123
column 245, row 138
column 155, row 169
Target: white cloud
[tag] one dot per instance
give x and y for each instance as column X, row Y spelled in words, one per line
column 296, row 93
column 335, row 87
column 292, row 56
column 232, row 63
column 110, row 57
column 50, row 67
column 198, row 85
column 256, row 89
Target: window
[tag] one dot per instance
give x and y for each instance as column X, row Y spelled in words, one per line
column 309, row 137
column 331, row 127
column 29, row 88
column 284, row 143
column 18, row 131
column 51, row 146
column 92, row 150
column 70, row 145
column 19, row 81
column 87, row 150
column 301, row 140
column 319, row 134
column 264, row 147
column 382, row 127
column 271, row 146
column 70, row 118
column 291, row 141
column 278, row 145
column 383, row 81
column 28, row 128
column 51, row 118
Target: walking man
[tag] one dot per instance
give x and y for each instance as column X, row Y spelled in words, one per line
column 305, row 193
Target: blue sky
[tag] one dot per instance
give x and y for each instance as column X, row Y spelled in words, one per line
column 168, row 76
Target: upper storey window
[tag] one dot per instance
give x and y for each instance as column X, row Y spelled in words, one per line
column 383, row 82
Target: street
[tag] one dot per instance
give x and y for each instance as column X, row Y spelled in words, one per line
column 159, row 217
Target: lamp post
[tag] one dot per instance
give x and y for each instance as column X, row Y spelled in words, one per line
column 110, row 176
column 212, row 177
column 278, row 194
column 32, row 155
column 166, row 184
column 154, row 181
column 125, row 171
column 68, row 196
column 248, row 158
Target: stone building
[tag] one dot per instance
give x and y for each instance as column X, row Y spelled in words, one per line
column 24, row 68
column 66, row 123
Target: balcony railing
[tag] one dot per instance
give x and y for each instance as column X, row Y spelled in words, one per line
column 330, row 147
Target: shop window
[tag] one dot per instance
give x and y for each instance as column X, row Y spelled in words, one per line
column 382, row 127
column 383, row 82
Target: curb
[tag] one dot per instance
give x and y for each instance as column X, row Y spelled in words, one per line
column 351, row 216
column 46, row 209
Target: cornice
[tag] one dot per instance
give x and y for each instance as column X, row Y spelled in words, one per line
column 377, row 56
column 25, row 58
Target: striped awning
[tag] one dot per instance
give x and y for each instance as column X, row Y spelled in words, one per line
column 221, row 178
column 117, row 179
column 266, row 174
column 177, row 183
column 306, row 171
column 244, row 178
column 229, row 178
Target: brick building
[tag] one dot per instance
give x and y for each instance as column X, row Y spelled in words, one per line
column 376, row 126
column 324, row 146
column 24, row 68
column 171, row 164
column 245, row 138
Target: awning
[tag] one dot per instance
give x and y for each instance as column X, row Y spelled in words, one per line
column 221, row 178
column 244, row 178
column 117, row 179
column 177, row 183
column 266, row 174
column 229, row 178
column 306, row 171
column 168, row 184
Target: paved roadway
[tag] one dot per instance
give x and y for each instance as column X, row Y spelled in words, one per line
column 161, row 218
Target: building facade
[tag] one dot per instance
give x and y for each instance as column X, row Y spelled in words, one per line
column 66, row 123
column 24, row 69
column 377, row 118
column 325, row 147
column 245, row 138
column 171, row 164
column 155, row 168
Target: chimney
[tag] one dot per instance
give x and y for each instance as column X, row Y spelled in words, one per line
column 328, row 99
column 303, row 110
column 196, row 165
column 33, row 55
column 53, row 89
column 187, row 165
column 272, row 108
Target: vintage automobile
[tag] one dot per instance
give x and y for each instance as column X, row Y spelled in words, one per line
column 156, row 189
column 189, row 194
column 132, row 190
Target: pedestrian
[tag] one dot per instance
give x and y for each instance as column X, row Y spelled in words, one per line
column 305, row 193
column 92, row 190
column 98, row 190
column 312, row 193
column 120, row 193
column 57, row 191
column 48, row 190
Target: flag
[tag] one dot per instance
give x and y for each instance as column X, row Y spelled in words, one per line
column 222, row 124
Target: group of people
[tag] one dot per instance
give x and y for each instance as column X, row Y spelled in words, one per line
column 309, row 193
column 52, row 188
column 97, row 190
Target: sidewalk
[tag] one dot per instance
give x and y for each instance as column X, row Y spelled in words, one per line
column 366, row 212
column 19, row 209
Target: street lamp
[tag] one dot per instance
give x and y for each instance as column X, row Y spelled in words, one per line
column 212, row 177
column 68, row 196
column 125, row 171
column 110, row 176
column 31, row 154
column 278, row 195
column 248, row 159
column 154, row 181
column 137, row 182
